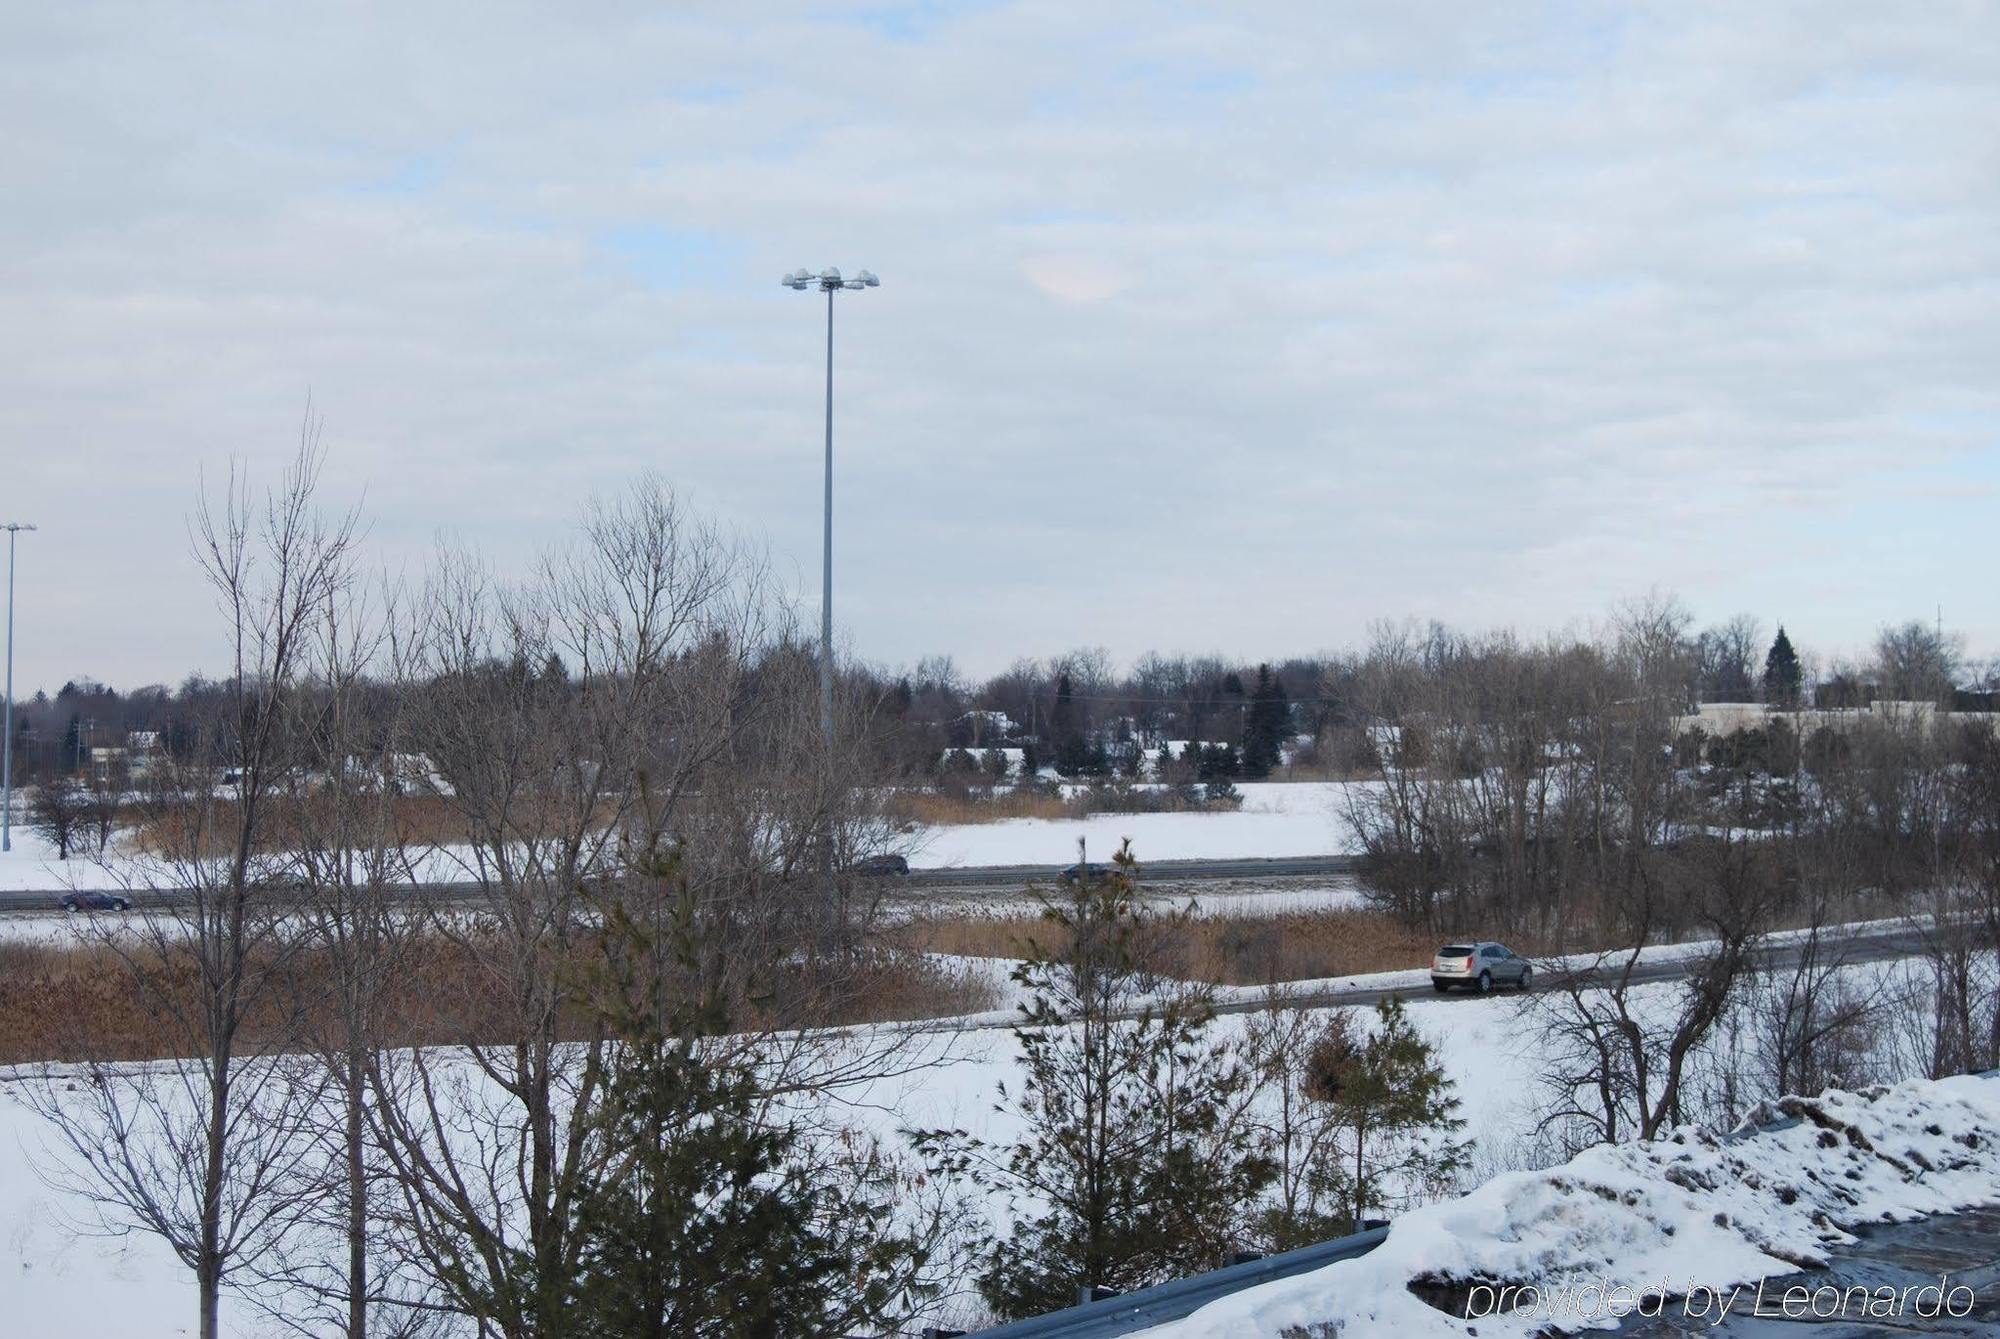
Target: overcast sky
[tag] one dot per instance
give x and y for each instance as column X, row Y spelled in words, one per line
column 1225, row 332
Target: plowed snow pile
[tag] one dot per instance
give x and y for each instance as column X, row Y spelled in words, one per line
column 1672, row 1217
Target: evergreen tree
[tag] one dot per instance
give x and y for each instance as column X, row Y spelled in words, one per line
column 1784, row 680
column 712, row 1218
column 1217, row 762
column 1031, row 760
column 1394, row 1106
column 1096, row 759
column 1268, row 726
column 1074, row 756
column 1127, row 1151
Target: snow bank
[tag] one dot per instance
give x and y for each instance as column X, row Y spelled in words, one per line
column 1689, row 1216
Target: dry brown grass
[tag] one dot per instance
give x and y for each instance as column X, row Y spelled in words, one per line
column 72, row 1002
column 936, row 808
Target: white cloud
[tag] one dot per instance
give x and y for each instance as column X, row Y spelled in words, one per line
column 1418, row 309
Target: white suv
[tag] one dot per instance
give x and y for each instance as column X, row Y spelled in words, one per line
column 1479, row 966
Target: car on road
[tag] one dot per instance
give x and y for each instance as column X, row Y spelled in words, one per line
column 94, row 902
column 1082, row 872
column 1480, row 966
column 881, row 866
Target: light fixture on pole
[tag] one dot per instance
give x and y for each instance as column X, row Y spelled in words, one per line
column 13, row 529
column 828, row 281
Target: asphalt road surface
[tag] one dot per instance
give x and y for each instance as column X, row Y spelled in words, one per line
column 967, row 879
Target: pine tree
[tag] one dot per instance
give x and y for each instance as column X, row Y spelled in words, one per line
column 711, row 1218
column 1268, row 725
column 1126, row 1150
column 1784, row 680
column 1394, row 1106
column 1073, row 753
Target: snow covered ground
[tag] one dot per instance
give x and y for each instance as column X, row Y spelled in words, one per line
column 33, row 864
column 53, row 1281
column 1692, row 1222
column 1277, row 819
column 1300, row 818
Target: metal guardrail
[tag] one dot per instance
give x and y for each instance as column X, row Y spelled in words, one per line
column 1171, row 1301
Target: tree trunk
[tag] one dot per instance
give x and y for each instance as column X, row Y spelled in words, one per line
column 357, row 1201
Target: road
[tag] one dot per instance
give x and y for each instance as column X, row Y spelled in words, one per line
column 1873, row 943
column 959, row 881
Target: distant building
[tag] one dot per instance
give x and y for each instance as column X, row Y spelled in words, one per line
column 1719, row 719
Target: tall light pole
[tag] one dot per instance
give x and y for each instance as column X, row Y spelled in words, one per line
column 13, row 529
column 828, row 281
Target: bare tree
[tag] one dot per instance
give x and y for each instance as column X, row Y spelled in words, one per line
column 1622, row 1054
column 642, row 695
column 1726, row 660
column 102, row 797
column 1918, row 662
column 58, row 811
column 1810, row 1023
column 205, row 1148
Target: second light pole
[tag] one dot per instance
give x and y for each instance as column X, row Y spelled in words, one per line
column 13, row 529
column 829, row 282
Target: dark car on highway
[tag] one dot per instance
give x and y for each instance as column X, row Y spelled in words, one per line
column 94, row 902
column 881, row 866
column 1083, row 872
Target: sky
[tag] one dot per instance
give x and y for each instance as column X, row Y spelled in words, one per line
column 1224, row 327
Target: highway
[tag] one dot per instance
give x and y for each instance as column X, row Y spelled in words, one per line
column 1873, row 944
column 958, row 881
column 1870, row 943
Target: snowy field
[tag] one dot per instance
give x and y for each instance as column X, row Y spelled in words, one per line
column 59, row 1282
column 1301, row 818
column 1277, row 819
column 33, row 864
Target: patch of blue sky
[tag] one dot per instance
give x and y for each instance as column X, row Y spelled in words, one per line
column 709, row 95
column 1183, row 80
column 672, row 258
column 1033, row 219
column 417, row 174
column 916, row 21
column 1603, row 288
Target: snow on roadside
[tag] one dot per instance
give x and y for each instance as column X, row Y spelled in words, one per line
column 133, row 1287
column 1665, row 1218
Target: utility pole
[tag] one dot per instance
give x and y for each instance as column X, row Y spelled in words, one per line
column 13, row 529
